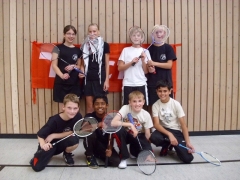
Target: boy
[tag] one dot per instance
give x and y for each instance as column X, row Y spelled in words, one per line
column 58, row 127
column 133, row 62
column 168, row 120
column 96, row 144
column 141, row 127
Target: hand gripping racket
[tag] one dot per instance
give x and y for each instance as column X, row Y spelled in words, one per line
column 206, row 156
column 47, row 49
column 82, row 128
column 146, row 160
column 107, row 127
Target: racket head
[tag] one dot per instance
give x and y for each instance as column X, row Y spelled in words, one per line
column 85, row 126
column 159, row 34
column 107, row 127
column 136, row 35
column 146, row 161
column 49, row 51
column 210, row 158
column 89, row 45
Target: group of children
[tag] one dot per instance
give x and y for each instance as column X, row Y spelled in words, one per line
column 139, row 89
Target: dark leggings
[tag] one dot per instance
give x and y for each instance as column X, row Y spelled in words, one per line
column 41, row 157
column 160, row 139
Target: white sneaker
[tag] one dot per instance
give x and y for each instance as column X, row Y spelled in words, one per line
column 123, row 164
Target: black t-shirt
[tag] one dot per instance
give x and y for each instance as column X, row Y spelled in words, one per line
column 56, row 124
column 93, row 66
column 70, row 55
column 161, row 54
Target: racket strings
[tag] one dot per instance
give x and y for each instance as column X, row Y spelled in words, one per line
column 107, row 126
column 146, row 162
column 160, row 33
column 47, row 50
column 85, row 127
column 210, row 158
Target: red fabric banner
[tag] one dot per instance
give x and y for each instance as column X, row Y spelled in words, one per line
column 41, row 68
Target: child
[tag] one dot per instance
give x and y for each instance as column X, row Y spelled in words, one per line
column 140, row 128
column 66, row 82
column 168, row 119
column 96, row 144
column 96, row 69
column 134, row 69
column 58, row 127
column 162, row 58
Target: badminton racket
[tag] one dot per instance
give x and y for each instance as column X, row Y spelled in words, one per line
column 206, row 156
column 82, row 128
column 146, row 160
column 107, row 127
column 49, row 48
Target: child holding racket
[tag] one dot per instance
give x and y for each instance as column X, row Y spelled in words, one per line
column 96, row 144
column 168, row 119
column 66, row 80
column 162, row 58
column 133, row 62
column 58, row 127
column 141, row 127
column 96, row 68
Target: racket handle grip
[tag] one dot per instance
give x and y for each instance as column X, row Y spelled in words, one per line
column 133, row 64
column 130, row 118
column 78, row 70
column 106, row 162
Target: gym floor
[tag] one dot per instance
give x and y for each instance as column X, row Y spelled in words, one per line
column 16, row 153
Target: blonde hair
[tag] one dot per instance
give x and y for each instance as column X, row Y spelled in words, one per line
column 135, row 94
column 71, row 98
column 136, row 29
column 93, row 24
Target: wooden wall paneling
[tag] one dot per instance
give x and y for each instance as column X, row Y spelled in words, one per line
column 137, row 14
column 67, row 12
column 47, row 38
column 157, row 13
column 204, row 67
column 33, row 37
column 3, row 119
column 178, row 39
column 210, row 65
column 41, row 94
column 53, row 39
column 184, row 67
column 164, row 13
column 123, row 19
column 236, row 67
column 20, row 67
column 88, row 14
column 229, row 65
column 60, row 20
column 97, row 9
column 150, row 20
column 27, row 66
column 116, row 21
column 7, row 66
column 74, row 17
column 223, row 64
column 197, row 59
column 130, row 22
column 217, row 70
column 144, row 18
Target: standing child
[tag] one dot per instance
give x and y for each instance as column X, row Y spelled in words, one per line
column 56, row 128
column 96, row 144
column 133, row 62
column 96, row 69
column 162, row 58
column 168, row 119
column 66, row 80
column 141, row 127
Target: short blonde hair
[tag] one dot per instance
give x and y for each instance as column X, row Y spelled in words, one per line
column 135, row 94
column 71, row 98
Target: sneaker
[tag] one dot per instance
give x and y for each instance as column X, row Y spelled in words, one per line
column 164, row 150
column 123, row 164
column 92, row 162
column 68, row 158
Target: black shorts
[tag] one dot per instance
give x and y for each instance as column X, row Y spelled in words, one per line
column 94, row 88
column 61, row 90
column 128, row 89
column 152, row 95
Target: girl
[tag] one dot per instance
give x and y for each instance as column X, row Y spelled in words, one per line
column 96, row 69
column 66, row 80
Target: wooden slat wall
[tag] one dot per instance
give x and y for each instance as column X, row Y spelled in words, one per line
column 208, row 78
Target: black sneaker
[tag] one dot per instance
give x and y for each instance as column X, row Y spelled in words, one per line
column 92, row 162
column 68, row 158
column 164, row 150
